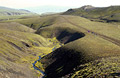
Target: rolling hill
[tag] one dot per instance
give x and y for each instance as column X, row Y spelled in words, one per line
column 103, row 14
column 10, row 11
column 81, row 48
column 19, row 48
column 88, row 46
column 70, row 46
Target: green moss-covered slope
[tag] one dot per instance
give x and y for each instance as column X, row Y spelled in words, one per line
column 19, row 48
column 107, row 14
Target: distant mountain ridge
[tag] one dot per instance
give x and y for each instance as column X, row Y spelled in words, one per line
column 10, row 11
column 108, row 14
column 48, row 9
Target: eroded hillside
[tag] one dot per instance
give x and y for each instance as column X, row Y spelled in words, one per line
column 96, row 41
column 19, row 48
column 88, row 47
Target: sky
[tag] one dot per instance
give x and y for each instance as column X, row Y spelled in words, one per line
column 75, row 3
column 58, row 3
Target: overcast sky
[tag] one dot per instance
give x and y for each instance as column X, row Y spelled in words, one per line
column 68, row 3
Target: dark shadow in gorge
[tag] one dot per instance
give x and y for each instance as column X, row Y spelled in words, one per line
column 62, row 62
column 66, row 37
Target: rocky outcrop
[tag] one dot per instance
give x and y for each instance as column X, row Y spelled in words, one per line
column 86, row 7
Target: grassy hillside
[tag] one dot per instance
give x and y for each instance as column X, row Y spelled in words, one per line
column 35, row 22
column 103, row 14
column 10, row 11
column 19, row 48
column 89, row 49
column 10, row 14
column 86, row 49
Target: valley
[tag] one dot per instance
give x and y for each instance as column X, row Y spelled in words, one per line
column 64, row 45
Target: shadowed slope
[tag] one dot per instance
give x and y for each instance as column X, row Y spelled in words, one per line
column 81, row 47
column 63, row 34
column 84, row 50
column 63, row 61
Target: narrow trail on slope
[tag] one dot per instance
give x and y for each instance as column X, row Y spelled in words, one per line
column 114, row 41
